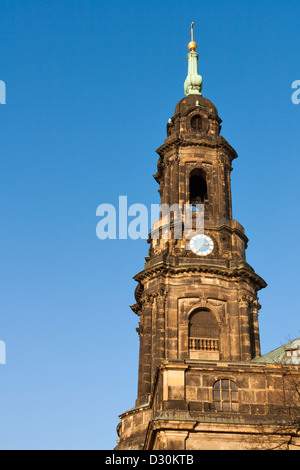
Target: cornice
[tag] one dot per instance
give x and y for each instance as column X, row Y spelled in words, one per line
column 203, row 141
column 236, row 274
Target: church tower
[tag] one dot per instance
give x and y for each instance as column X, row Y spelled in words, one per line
column 196, row 297
column 196, row 305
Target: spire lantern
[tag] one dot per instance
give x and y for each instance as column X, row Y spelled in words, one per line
column 193, row 82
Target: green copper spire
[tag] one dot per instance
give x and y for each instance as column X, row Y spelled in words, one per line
column 193, row 82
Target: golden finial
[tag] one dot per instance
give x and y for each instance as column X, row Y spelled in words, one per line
column 192, row 45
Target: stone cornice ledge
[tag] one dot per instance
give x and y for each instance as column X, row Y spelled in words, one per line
column 236, row 273
column 204, row 141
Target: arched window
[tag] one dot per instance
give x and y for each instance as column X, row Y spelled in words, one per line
column 197, row 123
column 203, row 335
column 225, row 395
column 198, row 187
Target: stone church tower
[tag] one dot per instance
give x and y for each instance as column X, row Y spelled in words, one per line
column 202, row 384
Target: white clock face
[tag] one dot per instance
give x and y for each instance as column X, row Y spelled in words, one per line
column 202, row 245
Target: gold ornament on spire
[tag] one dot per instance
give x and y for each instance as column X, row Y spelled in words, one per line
column 192, row 45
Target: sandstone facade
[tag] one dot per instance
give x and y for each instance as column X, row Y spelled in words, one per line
column 199, row 385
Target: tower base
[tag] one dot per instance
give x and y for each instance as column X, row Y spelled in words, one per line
column 216, row 406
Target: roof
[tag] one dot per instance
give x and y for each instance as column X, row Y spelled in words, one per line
column 189, row 101
column 287, row 354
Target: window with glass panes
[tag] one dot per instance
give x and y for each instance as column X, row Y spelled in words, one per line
column 196, row 123
column 225, row 395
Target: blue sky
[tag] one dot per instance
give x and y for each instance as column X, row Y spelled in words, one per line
column 90, row 87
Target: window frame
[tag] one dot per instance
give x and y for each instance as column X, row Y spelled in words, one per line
column 225, row 395
column 197, row 123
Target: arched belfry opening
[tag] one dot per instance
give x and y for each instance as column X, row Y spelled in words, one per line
column 204, row 341
column 198, row 187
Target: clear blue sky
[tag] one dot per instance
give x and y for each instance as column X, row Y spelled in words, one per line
column 90, row 87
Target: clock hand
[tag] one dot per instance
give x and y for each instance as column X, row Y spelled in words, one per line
column 202, row 244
